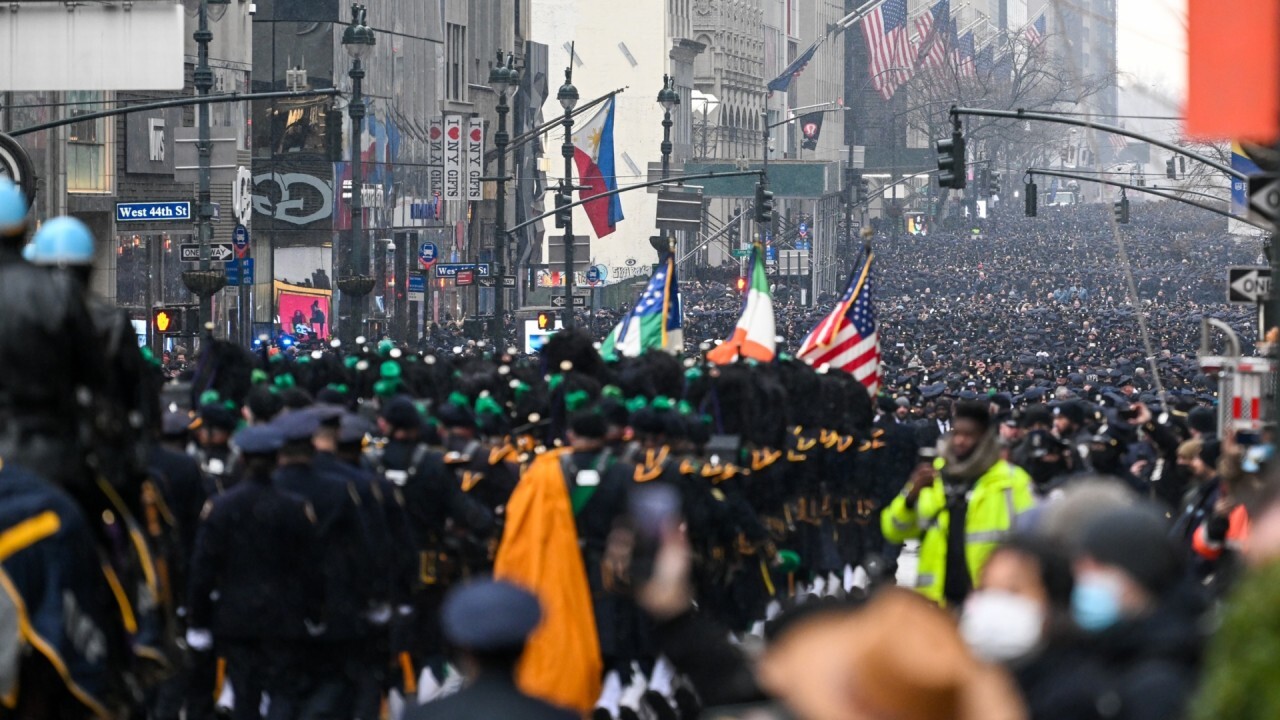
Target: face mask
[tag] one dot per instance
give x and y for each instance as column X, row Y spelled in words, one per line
column 1001, row 626
column 1095, row 602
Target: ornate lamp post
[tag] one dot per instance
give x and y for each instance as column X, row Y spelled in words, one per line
column 356, row 283
column 502, row 78
column 568, row 97
column 206, row 281
column 669, row 99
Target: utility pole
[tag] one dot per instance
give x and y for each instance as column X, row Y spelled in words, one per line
column 501, row 78
column 358, row 40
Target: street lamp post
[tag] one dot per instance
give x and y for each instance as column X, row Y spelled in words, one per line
column 669, row 99
column 358, row 40
column 205, row 281
column 568, row 97
column 502, row 78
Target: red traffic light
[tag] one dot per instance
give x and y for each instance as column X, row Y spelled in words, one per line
column 546, row 321
column 742, row 284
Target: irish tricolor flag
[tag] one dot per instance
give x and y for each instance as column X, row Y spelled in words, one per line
column 593, row 154
column 755, row 336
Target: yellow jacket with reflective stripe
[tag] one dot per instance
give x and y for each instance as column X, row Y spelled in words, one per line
column 996, row 500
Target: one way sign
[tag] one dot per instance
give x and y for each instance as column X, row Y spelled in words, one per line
column 578, row 301
column 1248, row 285
column 218, row 252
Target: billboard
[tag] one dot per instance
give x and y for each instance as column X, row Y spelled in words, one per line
column 303, row 311
column 80, row 46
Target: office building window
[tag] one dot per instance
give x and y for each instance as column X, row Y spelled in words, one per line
column 89, row 167
column 456, row 80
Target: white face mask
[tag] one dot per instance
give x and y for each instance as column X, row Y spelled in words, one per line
column 1000, row 626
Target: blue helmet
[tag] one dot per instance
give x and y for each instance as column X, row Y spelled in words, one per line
column 63, row 241
column 13, row 208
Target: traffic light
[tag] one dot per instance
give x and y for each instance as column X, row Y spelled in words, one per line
column 166, row 321
column 333, row 136
column 1170, row 169
column 1031, row 199
column 993, row 183
column 980, row 176
column 546, row 321
column 864, row 190
column 764, row 204
column 1121, row 209
column 564, row 214
column 742, row 284
column 191, row 320
column 951, row 161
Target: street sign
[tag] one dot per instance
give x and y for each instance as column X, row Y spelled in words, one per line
column 233, row 271
column 1248, row 285
column 417, row 288
column 593, row 274
column 741, row 252
column 153, row 212
column 427, row 254
column 218, row 252
column 448, row 270
column 1264, row 198
column 679, row 210
column 465, row 277
column 578, row 301
column 508, row 281
column 803, row 229
column 240, row 240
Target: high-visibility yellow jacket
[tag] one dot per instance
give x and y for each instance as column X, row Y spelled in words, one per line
column 996, row 500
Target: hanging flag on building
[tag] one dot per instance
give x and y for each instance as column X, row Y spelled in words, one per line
column 811, row 128
column 984, row 61
column 797, row 66
column 435, row 154
column 888, row 46
column 848, row 339
column 756, row 334
column 934, row 31
column 655, row 322
column 593, row 154
column 1036, row 31
column 963, row 55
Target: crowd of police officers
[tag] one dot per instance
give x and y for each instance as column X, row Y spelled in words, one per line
column 279, row 530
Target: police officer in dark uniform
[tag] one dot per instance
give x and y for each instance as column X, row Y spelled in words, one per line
column 480, row 468
column 488, row 623
column 345, row 560
column 433, row 503
column 212, row 447
column 256, row 583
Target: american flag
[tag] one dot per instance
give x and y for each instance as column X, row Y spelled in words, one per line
column 1036, row 31
column 934, row 28
column 963, row 55
column 1118, row 142
column 888, row 46
column 847, row 339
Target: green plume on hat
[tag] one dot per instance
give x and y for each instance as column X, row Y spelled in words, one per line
column 636, row 404
column 385, row 347
column 259, row 376
column 386, row 387
column 576, row 400
column 612, row 391
column 285, row 380
column 210, row 397
column 554, row 382
column 338, row 388
column 662, row 403
column 693, row 373
column 458, row 398
column 684, row 407
column 350, row 361
column 390, row 370
column 486, row 405
column 521, row 389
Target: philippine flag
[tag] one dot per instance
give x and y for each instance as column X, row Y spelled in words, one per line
column 593, row 153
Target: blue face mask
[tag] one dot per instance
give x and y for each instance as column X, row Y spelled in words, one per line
column 1095, row 603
